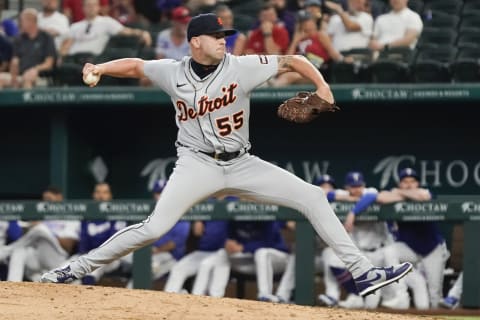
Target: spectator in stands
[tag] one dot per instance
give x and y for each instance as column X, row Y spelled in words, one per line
column 123, row 11
column 43, row 245
column 172, row 43
column 53, row 22
column 210, row 236
column 91, row 35
column 314, row 7
column 285, row 15
column 312, row 43
column 401, row 27
column 349, row 29
column 33, row 52
column 418, row 242
column 95, row 232
column 74, row 11
column 271, row 37
column 235, row 43
column 5, row 53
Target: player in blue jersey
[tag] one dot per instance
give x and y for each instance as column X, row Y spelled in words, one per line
column 95, row 232
column 419, row 242
column 211, row 236
column 251, row 248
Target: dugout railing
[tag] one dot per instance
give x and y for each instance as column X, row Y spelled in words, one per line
column 465, row 209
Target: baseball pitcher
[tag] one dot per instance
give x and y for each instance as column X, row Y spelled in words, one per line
column 210, row 91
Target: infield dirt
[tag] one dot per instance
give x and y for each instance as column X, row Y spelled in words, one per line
column 27, row 300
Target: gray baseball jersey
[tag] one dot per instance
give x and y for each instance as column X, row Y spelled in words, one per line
column 212, row 113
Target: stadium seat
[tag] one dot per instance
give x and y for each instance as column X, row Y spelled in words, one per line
column 442, row 20
column 342, row 72
column 122, row 41
column 363, row 55
column 469, row 37
column 388, row 71
column 68, row 74
column 466, row 70
column 471, row 5
column 470, row 20
column 249, row 8
column 400, row 54
column 468, row 30
column 147, row 53
column 243, row 23
column 416, row 5
column 447, row 6
column 437, row 36
column 79, row 58
column 111, row 53
column 379, row 7
column 433, row 65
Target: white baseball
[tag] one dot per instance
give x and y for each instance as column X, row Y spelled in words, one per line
column 91, row 78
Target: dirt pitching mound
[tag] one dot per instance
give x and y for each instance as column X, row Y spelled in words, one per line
column 26, row 300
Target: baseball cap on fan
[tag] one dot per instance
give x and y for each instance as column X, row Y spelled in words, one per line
column 206, row 23
column 407, row 172
column 181, row 14
column 354, row 179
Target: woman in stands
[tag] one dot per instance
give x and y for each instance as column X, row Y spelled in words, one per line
column 312, row 43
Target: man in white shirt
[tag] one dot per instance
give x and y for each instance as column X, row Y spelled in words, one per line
column 349, row 29
column 53, row 22
column 92, row 34
column 401, row 27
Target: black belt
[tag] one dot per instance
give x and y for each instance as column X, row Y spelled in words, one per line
column 224, row 156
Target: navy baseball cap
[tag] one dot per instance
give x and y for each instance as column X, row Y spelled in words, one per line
column 159, row 186
column 206, row 23
column 324, row 178
column 354, row 179
column 407, row 172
